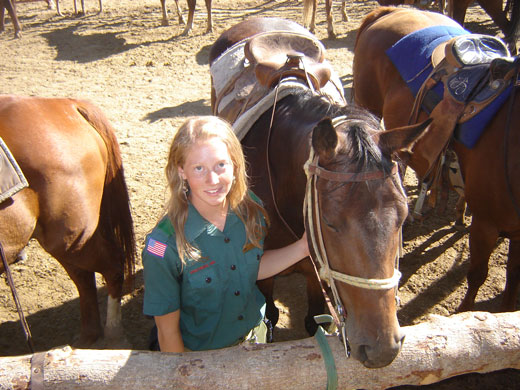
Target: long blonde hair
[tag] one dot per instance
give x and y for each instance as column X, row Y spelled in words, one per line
column 193, row 130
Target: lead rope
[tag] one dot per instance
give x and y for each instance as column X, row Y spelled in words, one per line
column 23, row 321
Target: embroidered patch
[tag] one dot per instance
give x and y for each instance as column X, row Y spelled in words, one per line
column 202, row 267
column 155, row 247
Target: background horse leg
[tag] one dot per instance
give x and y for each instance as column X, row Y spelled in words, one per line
column 494, row 9
column 344, row 15
column 191, row 13
column 512, row 277
column 210, row 21
column 164, row 21
column 482, row 241
column 10, row 6
column 330, row 19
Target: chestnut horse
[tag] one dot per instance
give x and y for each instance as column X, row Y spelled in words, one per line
column 10, row 6
column 76, row 204
column 309, row 18
column 361, row 204
column 506, row 18
column 191, row 13
column 489, row 168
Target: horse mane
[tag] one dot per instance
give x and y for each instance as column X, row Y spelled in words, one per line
column 363, row 152
column 371, row 18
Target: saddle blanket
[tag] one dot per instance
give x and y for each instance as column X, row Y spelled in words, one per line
column 420, row 45
column 232, row 65
column 12, row 179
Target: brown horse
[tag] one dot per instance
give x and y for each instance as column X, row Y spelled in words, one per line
column 76, row 205
column 358, row 204
column 506, row 18
column 309, row 18
column 191, row 13
column 10, row 6
column 492, row 186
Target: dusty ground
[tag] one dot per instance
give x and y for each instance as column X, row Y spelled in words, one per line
column 147, row 79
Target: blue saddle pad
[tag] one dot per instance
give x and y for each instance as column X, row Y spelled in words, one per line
column 419, row 45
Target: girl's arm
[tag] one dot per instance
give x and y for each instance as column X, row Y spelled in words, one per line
column 169, row 332
column 275, row 261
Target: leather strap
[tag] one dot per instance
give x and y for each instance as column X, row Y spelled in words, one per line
column 37, row 363
column 328, row 358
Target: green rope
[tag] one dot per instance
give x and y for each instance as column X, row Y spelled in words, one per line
column 330, row 365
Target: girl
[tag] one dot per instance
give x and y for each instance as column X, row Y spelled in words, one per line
column 203, row 258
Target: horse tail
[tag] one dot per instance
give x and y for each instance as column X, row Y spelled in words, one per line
column 371, row 18
column 307, row 12
column 115, row 220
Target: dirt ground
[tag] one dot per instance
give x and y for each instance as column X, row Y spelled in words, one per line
column 147, row 79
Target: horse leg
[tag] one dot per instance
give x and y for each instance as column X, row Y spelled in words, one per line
column 512, row 277
column 164, row 21
column 312, row 26
column 482, row 241
column 330, row 19
column 344, row 10
column 210, row 22
column 2, row 15
column 58, row 8
column 100, row 6
column 85, row 282
column 457, row 10
column 494, row 10
column 191, row 13
column 266, row 286
column 11, row 9
column 179, row 13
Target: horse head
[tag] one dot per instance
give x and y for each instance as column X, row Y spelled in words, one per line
column 356, row 206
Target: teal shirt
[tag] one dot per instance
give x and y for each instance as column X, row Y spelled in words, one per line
column 217, row 296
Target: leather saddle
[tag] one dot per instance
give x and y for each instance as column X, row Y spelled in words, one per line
column 278, row 54
column 267, row 59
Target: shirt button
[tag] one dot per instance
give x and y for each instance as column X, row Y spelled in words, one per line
column 208, row 280
column 233, row 267
column 240, row 317
column 226, row 239
column 237, row 293
column 258, row 257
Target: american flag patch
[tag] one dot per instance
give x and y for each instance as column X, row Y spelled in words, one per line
column 155, row 247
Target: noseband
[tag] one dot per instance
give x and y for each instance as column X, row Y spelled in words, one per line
column 313, row 171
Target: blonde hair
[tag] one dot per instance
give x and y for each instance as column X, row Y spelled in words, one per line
column 193, row 130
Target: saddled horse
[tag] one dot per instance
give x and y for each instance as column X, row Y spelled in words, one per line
column 489, row 164
column 356, row 204
column 309, row 15
column 191, row 13
column 505, row 16
column 10, row 7
column 76, row 204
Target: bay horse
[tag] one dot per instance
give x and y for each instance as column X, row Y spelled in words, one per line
column 361, row 204
column 491, row 184
column 10, row 7
column 76, row 204
column 191, row 13
column 309, row 15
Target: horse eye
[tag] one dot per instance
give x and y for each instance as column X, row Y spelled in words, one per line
column 331, row 226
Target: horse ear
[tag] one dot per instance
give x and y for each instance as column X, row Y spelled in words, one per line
column 401, row 139
column 324, row 139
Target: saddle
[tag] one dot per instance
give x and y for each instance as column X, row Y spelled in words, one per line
column 475, row 71
column 283, row 54
column 268, row 58
column 12, row 179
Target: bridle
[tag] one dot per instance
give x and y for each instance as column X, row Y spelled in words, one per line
column 314, row 231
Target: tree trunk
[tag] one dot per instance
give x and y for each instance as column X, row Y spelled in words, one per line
column 435, row 350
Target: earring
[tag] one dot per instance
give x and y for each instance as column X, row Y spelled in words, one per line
column 185, row 188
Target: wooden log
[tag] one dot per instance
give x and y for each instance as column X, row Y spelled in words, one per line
column 435, row 350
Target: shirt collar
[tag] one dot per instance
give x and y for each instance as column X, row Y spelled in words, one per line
column 196, row 224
